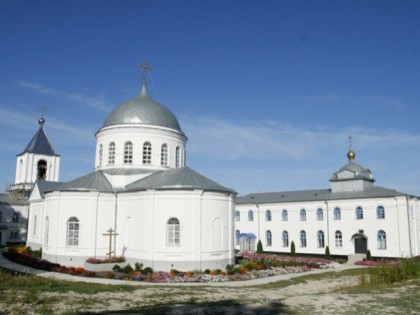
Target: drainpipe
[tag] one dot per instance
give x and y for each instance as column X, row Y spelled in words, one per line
column 328, row 223
column 398, row 223
column 409, row 229
column 415, row 225
column 115, row 219
column 258, row 221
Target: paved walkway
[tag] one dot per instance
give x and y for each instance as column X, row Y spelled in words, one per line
column 7, row 264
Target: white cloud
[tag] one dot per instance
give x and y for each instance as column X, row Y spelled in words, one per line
column 93, row 102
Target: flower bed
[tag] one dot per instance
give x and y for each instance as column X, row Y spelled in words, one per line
column 252, row 266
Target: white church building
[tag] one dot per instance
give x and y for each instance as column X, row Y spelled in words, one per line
column 143, row 202
column 159, row 211
column 351, row 217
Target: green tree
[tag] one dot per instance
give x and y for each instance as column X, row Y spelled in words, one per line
column 368, row 255
column 327, row 252
column 259, row 247
column 292, row 249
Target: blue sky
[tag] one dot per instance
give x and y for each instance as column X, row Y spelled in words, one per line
column 266, row 91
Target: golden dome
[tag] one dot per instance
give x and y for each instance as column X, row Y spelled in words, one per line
column 351, row 155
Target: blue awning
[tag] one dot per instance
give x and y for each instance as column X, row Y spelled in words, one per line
column 247, row 235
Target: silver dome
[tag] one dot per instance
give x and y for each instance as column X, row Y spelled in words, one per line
column 142, row 110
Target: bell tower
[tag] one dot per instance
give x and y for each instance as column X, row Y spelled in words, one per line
column 38, row 162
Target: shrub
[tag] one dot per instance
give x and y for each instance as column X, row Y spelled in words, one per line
column 127, row 269
column 292, row 249
column 116, row 268
column 229, row 269
column 368, row 255
column 327, row 252
column 260, row 249
column 138, row 266
column 147, row 271
column 207, row 271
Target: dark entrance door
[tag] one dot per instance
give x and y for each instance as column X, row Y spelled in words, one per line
column 360, row 245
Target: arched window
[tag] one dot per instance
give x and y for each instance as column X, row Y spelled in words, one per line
column 173, row 232
column 237, row 216
column 285, row 238
column 381, row 239
column 359, row 213
column 164, row 155
column 147, row 153
column 284, row 215
column 380, row 212
column 46, row 231
column 268, row 215
column 337, row 213
column 338, row 239
column 319, row 214
column 111, row 154
column 35, row 224
column 303, row 215
column 101, row 153
column 73, row 232
column 250, row 215
column 268, row 238
column 237, row 233
column 128, row 153
column 42, row 170
column 302, row 238
column 320, row 238
column 177, row 157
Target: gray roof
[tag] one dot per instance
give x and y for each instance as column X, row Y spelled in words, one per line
column 359, row 172
column 95, row 181
column 142, row 110
column 45, row 186
column 315, row 195
column 179, row 178
column 39, row 144
column 5, row 199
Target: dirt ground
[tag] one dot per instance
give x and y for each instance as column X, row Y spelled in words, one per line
column 312, row 297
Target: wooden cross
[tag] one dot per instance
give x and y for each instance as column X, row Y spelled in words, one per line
column 145, row 68
column 110, row 233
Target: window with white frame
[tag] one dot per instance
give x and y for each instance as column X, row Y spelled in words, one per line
column 14, row 235
column 321, row 239
column 359, row 213
column 319, row 214
column 338, row 239
column 237, row 233
column 35, row 224
column 73, row 230
column 128, row 152
column 250, row 215
column 268, row 215
column 147, row 153
column 337, row 213
column 177, row 157
column 173, row 232
column 46, row 231
column 302, row 215
column 237, row 216
column 101, row 153
column 111, row 153
column 268, row 238
column 164, row 155
column 380, row 212
column 284, row 215
column 302, row 236
column 381, row 239
column 285, row 238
